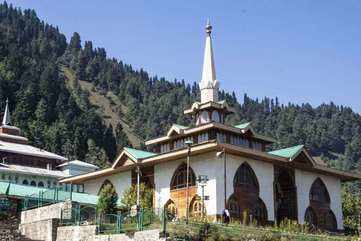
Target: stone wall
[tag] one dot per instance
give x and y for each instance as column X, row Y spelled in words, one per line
column 9, row 229
column 88, row 233
column 42, row 223
column 45, row 230
column 45, row 213
column 76, row 233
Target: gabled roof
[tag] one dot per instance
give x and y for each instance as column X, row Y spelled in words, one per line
column 289, row 152
column 293, row 153
column 139, row 154
column 177, row 129
column 134, row 155
column 243, row 125
column 79, row 163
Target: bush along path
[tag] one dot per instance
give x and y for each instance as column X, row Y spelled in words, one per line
column 197, row 231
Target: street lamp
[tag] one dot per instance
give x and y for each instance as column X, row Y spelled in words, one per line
column 188, row 143
column 202, row 182
column 223, row 154
column 138, row 195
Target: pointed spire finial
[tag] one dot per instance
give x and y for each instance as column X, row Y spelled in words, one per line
column 6, row 117
column 209, row 85
column 208, row 27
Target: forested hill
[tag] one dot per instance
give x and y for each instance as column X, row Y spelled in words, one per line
column 36, row 64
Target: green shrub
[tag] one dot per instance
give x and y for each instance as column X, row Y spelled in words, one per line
column 129, row 197
column 107, row 202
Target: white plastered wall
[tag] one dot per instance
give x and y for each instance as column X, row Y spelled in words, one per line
column 265, row 176
column 204, row 164
column 304, row 181
column 212, row 166
column 121, row 181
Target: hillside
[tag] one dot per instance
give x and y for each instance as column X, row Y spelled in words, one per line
column 108, row 106
column 70, row 98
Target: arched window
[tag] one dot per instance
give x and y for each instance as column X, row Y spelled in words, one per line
column 179, row 179
column 40, row 184
column 233, row 207
column 171, row 208
column 33, row 183
column 105, row 183
column 215, row 116
column 25, row 182
column 204, row 117
column 195, row 207
column 310, row 217
column 319, row 193
column 245, row 177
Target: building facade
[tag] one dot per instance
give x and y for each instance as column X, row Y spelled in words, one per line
column 255, row 185
column 23, row 164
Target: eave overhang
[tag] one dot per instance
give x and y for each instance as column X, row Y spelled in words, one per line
column 198, row 106
column 207, row 126
column 209, row 147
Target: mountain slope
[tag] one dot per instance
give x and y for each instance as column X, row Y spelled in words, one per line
column 108, row 106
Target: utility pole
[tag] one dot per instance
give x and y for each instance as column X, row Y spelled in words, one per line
column 138, row 197
column 225, row 177
column 223, row 154
column 138, row 187
column 188, row 144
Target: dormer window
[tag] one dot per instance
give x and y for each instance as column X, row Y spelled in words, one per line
column 221, row 137
column 203, row 137
column 164, row 148
column 239, row 141
column 204, row 117
column 257, row 146
column 179, row 144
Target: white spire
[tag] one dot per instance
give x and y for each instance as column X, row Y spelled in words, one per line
column 6, row 117
column 209, row 84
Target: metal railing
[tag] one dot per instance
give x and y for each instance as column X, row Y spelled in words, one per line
column 120, row 222
column 45, row 197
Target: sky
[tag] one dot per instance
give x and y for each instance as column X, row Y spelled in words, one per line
column 299, row 51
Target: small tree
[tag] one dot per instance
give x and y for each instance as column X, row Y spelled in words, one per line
column 351, row 207
column 129, row 197
column 107, row 202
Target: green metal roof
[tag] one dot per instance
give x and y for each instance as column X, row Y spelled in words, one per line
column 84, row 198
column 23, row 191
column 242, row 125
column 289, row 152
column 4, row 186
column 139, row 154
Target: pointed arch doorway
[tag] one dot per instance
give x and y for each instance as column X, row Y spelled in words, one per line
column 285, row 194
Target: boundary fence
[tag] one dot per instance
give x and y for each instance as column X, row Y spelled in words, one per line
column 120, row 222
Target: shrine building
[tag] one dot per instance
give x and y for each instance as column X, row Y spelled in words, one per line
column 243, row 176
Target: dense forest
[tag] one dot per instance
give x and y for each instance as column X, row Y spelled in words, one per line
column 33, row 55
